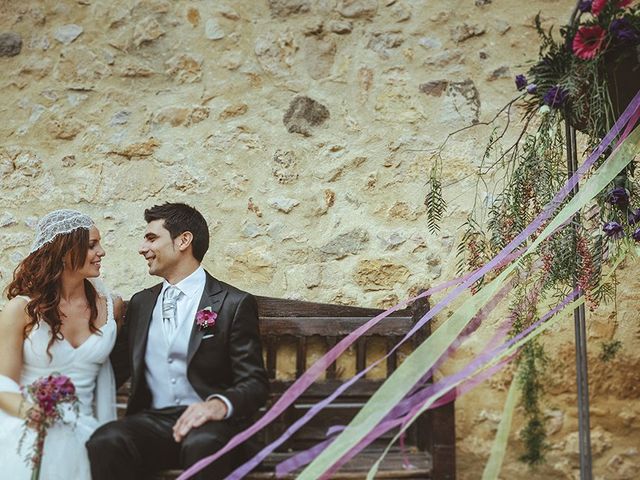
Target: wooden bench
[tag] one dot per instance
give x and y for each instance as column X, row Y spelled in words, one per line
column 295, row 329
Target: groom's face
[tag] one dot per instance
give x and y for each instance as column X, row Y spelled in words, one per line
column 159, row 249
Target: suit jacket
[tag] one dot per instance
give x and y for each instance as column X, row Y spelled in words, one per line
column 228, row 363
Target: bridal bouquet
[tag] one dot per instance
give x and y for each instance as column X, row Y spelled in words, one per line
column 48, row 395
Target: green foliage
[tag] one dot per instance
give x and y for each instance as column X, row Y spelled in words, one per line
column 435, row 203
column 609, row 350
column 532, row 363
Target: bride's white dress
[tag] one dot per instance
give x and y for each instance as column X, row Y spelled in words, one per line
column 65, row 456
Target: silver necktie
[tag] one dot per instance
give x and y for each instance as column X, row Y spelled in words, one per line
column 169, row 308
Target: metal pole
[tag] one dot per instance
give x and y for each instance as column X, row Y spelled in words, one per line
column 584, row 427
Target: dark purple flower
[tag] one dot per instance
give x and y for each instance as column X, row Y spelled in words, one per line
column 521, row 82
column 636, row 235
column 622, row 30
column 532, row 88
column 555, row 96
column 585, row 6
column 619, row 197
column 612, row 229
column 633, row 217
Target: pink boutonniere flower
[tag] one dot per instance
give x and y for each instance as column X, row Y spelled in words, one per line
column 206, row 318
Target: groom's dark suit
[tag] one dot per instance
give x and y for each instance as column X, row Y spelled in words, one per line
column 227, row 363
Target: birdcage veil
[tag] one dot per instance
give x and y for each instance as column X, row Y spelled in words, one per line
column 57, row 223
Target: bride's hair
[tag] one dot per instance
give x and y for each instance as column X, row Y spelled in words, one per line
column 39, row 275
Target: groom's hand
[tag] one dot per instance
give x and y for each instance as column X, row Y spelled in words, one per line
column 198, row 414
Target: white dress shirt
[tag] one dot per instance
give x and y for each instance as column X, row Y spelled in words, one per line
column 166, row 359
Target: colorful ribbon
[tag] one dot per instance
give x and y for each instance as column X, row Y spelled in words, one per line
column 423, row 357
column 305, row 381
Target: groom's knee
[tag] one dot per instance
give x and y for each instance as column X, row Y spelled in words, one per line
column 110, row 437
column 199, row 444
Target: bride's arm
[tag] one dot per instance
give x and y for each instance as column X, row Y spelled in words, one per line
column 13, row 319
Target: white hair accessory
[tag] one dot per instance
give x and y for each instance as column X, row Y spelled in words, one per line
column 57, row 223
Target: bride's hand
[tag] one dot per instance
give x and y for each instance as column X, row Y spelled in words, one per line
column 32, row 414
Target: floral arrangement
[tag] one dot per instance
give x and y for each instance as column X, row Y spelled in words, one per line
column 584, row 78
column 206, row 318
column 48, row 394
column 579, row 71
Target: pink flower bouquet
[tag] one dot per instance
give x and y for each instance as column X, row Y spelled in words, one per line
column 48, row 394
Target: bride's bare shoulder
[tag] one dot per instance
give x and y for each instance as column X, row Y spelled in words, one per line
column 14, row 314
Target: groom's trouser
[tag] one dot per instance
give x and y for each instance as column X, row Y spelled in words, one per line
column 138, row 445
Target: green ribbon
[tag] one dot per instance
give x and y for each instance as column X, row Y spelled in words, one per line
column 499, row 447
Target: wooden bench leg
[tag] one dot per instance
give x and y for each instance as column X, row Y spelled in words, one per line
column 440, row 440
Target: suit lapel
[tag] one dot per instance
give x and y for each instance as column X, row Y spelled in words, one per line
column 142, row 329
column 212, row 296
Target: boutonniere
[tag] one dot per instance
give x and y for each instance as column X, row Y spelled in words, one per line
column 206, row 318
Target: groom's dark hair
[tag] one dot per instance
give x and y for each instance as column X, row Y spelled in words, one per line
column 179, row 218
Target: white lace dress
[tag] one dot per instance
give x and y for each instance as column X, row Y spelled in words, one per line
column 65, row 456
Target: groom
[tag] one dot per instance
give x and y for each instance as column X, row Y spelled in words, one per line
column 191, row 346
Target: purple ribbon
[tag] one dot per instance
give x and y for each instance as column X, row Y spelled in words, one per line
column 390, row 423
column 305, row 457
column 444, row 387
column 305, row 380
column 323, row 363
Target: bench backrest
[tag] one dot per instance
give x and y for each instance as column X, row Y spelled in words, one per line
column 302, row 328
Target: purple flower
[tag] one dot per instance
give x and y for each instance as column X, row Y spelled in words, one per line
column 633, row 217
column 622, row 30
column 619, row 197
column 532, row 88
column 555, row 96
column 612, row 229
column 206, row 318
column 636, row 235
column 585, row 6
column 521, row 82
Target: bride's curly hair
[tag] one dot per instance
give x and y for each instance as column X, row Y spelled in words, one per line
column 39, row 275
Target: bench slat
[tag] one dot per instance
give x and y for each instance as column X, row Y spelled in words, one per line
column 282, row 307
column 331, row 326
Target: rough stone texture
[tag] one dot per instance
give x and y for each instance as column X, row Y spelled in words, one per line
column 349, row 243
column 284, row 205
column 340, row 27
column 213, row 31
column 285, row 169
column 284, row 8
column 143, row 107
column 435, row 87
column 147, row 31
column 185, row 68
column 378, row 274
column 463, row 32
column 10, row 44
column 68, row 33
column 357, row 8
column 304, row 113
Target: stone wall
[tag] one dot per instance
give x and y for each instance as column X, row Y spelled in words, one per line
column 303, row 130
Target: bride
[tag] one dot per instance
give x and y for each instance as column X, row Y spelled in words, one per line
column 57, row 321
